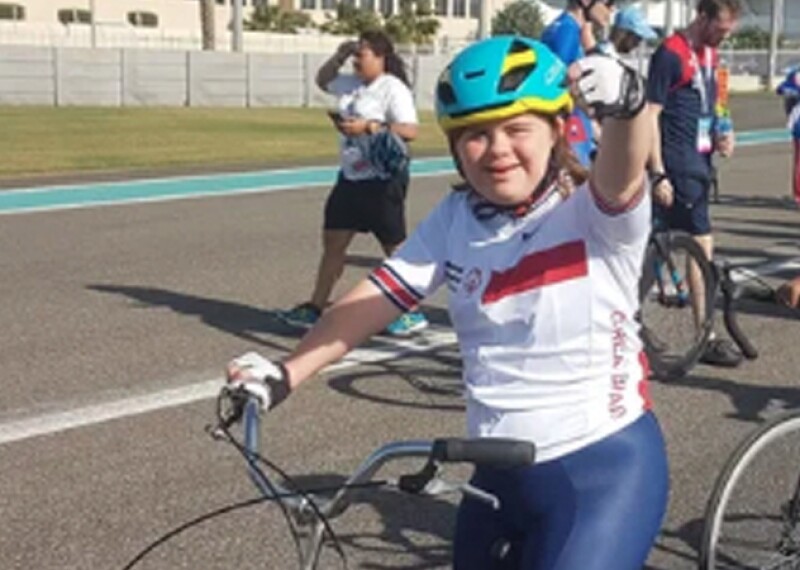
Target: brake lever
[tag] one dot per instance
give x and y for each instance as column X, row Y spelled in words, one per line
column 481, row 495
column 437, row 486
column 237, row 398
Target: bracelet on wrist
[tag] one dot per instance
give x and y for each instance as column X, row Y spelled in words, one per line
column 657, row 178
column 279, row 389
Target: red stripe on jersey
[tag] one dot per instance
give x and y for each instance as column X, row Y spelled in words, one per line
column 611, row 209
column 679, row 44
column 644, row 383
column 561, row 263
column 395, row 288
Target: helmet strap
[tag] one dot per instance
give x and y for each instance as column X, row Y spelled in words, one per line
column 485, row 210
column 549, row 179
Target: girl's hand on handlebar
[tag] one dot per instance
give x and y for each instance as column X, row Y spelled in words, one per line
column 259, row 377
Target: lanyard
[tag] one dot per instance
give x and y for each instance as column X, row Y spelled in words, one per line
column 702, row 74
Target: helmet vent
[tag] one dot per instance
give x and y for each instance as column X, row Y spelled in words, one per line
column 474, row 74
column 445, row 93
column 518, row 47
column 514, row 78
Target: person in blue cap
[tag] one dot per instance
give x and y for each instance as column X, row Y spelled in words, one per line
column 789, row 89
column 630, row 28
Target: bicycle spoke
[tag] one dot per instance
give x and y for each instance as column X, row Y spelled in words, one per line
column 757, row 526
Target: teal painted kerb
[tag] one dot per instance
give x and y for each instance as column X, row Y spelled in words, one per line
column 76, row 196
column 767, row 136
column 52, row 197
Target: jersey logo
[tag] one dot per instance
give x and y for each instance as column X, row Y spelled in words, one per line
column 473, row 280
column 561, row 263
column 528, row 235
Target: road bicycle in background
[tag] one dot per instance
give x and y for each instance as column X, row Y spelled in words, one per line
column 679, row 292
column 308, row 514
column 752, row 519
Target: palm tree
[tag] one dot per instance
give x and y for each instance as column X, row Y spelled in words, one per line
column 207, row 21
column 277, row 19
column 414, row 24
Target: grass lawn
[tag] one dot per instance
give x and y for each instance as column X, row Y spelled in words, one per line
column 48, row 140
column 39, row 141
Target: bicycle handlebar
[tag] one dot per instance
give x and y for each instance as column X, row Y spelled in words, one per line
column 495, row 452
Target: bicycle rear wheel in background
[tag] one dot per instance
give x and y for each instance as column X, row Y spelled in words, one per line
column 673, row 336
column 751, row 519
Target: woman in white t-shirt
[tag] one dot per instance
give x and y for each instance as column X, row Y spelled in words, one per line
column 375, row 116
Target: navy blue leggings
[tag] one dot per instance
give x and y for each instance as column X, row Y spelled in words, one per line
column 599, row 508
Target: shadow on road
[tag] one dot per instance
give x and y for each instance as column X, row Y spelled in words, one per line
column 682, row 543
column 416, row 529
column 242, row 321
column 752, row 402
column 766, row 202
column 434, row 385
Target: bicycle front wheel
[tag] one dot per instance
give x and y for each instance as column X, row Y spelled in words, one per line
column 677, row 293
column 751, row 519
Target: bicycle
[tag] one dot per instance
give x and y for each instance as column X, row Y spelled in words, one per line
column 674, row 334
column 748, row 523
column 311, row 512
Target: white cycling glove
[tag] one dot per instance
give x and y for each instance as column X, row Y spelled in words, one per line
column 260, row 377
column 610, row 87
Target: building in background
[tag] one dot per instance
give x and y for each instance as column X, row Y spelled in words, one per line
column 176, row 23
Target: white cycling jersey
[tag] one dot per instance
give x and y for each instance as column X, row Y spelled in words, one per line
column 544, row 310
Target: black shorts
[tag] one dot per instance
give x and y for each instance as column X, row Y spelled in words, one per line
column 689, row 211
column 374, row 205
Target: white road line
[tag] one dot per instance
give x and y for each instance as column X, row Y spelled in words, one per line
column 55, row 422
column 749, row 270
column 381, row 350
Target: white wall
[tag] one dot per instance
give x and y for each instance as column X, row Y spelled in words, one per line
column 124, row 77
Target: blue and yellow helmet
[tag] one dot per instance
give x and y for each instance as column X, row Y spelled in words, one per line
column 501, row 77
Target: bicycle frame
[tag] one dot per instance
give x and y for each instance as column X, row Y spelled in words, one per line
column 299, row 506
column 312, row 512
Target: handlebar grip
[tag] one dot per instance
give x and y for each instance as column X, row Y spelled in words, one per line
column 497, row 452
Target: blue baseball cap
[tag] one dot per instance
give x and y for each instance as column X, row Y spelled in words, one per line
column 631, row 19
column 790, row 87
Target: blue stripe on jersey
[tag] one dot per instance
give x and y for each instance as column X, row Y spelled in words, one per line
column 396, row 289
column 388, row 293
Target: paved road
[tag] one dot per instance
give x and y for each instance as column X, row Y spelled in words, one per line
column 104, row 305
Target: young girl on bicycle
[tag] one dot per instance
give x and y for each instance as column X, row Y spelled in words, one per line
column 543, row 297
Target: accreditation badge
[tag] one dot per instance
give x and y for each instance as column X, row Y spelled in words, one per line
column 704, row 140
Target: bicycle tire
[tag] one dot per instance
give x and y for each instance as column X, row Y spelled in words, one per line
column 736, row 473
column 672, row 359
